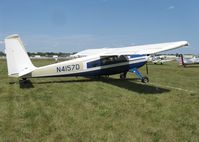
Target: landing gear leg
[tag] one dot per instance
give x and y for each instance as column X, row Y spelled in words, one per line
column 144, row 79
column 123, row 75
column 24, row 80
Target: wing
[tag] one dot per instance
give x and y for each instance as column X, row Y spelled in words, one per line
column 141, row 49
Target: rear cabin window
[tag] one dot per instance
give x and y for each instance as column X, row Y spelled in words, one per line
column 107, row 61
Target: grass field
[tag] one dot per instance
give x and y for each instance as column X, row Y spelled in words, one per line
column 82, row 109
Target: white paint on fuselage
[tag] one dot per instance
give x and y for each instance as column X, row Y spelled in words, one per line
column 66, row 67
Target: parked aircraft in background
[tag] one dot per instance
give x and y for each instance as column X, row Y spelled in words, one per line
column 187, row 61
column 92, row 62
column 159, row 59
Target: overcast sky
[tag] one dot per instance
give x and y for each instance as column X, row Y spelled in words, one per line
column 75, row 25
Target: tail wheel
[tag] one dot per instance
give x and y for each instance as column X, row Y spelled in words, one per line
column 24, row 80
column 145, row 79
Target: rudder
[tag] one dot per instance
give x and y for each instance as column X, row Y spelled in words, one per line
column 18, row 61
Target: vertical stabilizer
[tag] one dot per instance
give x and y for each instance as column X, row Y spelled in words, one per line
column 18, row 61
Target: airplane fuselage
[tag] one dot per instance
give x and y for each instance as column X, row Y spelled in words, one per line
column 191, row 61
column 90, row 66
column 187, row 61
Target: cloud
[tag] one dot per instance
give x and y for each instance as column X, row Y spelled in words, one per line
column 171, row 7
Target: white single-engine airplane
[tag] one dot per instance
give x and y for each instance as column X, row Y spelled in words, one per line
column 156, row 59
column 92, row 62
column 187, row 61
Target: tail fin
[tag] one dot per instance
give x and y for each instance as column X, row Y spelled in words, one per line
column 18, row 61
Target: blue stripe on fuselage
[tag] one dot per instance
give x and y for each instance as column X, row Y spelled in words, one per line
column 136, row 56
column 137, row 65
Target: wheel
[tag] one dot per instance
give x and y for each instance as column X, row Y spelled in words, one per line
column 24, row 80
column 123, row 75
column 145, row 79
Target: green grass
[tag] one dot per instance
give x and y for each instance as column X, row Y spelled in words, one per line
column 82, row 109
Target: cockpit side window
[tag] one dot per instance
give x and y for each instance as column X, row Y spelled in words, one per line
column 107, row 60
column 113, row 60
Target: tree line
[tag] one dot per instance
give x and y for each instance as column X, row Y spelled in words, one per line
column 2, row 54
column 46, row 54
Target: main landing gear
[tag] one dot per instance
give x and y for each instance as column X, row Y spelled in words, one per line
column 144, row 79
column 123, row 75
column 23, row 80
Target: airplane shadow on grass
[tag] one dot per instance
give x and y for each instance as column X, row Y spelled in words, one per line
column 132, row 85
column 191, row 66
column 129, row 84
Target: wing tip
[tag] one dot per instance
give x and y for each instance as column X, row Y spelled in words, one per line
column 185, row 43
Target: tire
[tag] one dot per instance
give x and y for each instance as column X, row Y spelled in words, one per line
column 123, row 75
column 145, row 79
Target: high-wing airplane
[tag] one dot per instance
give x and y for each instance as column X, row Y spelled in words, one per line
column 156, row 59
column 92, row 62
column 187, row 61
